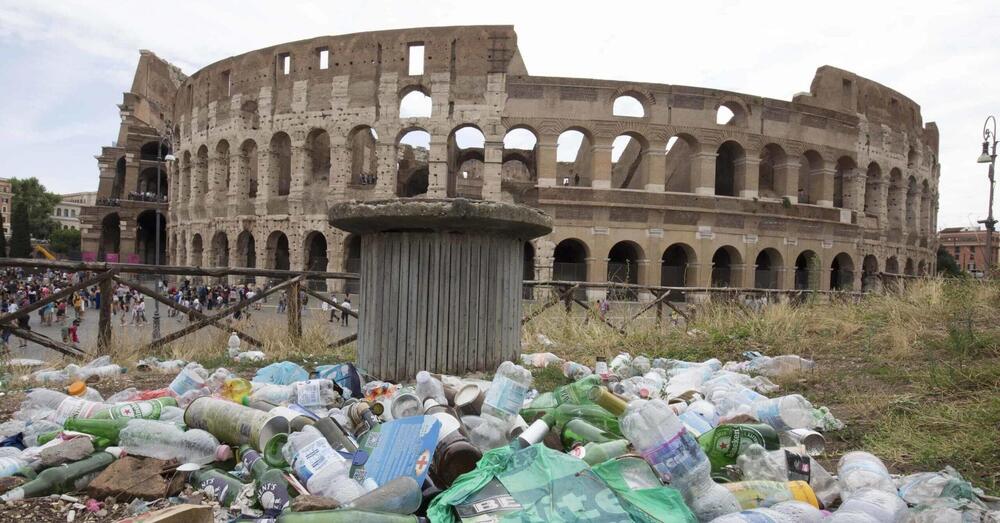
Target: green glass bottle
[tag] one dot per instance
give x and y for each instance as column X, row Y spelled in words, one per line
column 216, row 483
column 575, row 393
column 608, row 400
column 149, row 409
column 272, row 487
column 344, row 516
column 61, row 479
column 102, row 428
column 724, row 443
column 597, row 453
column 579, row 432
column 594, row 414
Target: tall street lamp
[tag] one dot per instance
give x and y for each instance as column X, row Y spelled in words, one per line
column 165, row 140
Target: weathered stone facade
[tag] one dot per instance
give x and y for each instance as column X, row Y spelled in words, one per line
column 826, row 190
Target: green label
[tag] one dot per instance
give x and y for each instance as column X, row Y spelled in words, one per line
column 136, row 409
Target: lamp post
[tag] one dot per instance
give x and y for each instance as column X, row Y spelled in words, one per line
column 165, row 139
column 989, row 156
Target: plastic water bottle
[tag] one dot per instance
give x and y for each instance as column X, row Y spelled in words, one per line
column 858, row 470
column 271, row 393
column 784, row 512
column 700, row 417
column 233, row 345
column 505, row 398
column 315, row 393
column 657, row 433
column 323, row 470
column 9, row 465
column 154, row 439
column 61, row 406
column 869, row 505
column 430, row 387
column 786, row 412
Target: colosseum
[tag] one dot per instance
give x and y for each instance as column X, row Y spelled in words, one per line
column 649, row 184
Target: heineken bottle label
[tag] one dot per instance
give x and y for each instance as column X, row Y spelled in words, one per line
column 136, row 409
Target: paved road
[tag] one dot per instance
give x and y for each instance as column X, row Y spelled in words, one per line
column 267, row 318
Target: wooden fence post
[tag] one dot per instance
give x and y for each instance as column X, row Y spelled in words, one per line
column 294, row 310
column 104, row 317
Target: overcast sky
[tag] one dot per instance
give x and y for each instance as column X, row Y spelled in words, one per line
column 66, row 63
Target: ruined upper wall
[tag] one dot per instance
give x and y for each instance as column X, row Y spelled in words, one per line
column 150, row 100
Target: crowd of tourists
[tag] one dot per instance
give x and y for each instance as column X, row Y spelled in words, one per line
column 20, row 289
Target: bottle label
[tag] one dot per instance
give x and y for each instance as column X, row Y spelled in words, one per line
column 74, row 408
column 676, row 457
column 799, row 467
column 216, row 488
column 136, row 409
column 273, row 497
column 313, row 457
column 506, row 395
column 732, row 439
column 769, row 413
column 184, row 382
column 695, row 423
column 861, row 464
column 250, row 458
column 308, row 393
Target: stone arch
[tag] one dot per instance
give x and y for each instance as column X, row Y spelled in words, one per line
column 729, row 167
column 152, row 182
column 892, row 266
column 767, row 269
column 362, row 142
column 145, row 237
column 412, row 160
column 154, row 151
column 185, row 192
column 623, row 267
column 810, row 177
column 869, row 273
column 675, row 265
column 912, row 158
column 896, row 200
column 873, row 183
column 246, row 249
column 220, row 249
column 317, row 150
column 925, row 208
column 280, row 164
column 223, row 176
column 731, row 113
column 569, row 260
column 922, row 268
column 841, row 188
column 249, row 164
column 415, row 102
column 842, row 273
column 118, row 184
column 807, row 270
column 199, row 185
column 575, row 157
column 278, row 252
column 912, row 203
column 908, row 268
column 680, row 150
column 629, row 106
column 466, row 161
column 197, row 250
column 520, row 144
column 726, row 262
column 772, row 160
column 316, row 257
column 110, row 237
column 628, row 151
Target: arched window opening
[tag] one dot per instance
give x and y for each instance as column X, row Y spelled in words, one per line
column 352, row 263
column 416, row 104
column 772, row 158
column 223, row 176
column 841, row 189
column 767, row 269
column 569, row 263
column 628, row 106
column 810, row 177
column 316, row 258
column 925, row 209
column 680, row 152
column 892, row 266
column 908, row 269
column 154, row 151
column 118, row 184
column 220, row 247
column 731, row 114
column 842, row 273
column 281, row 164
column 896, row 203
column 466, row 155
column 674, row 268
column 248, row 166
column 145, row 237
column 364, row 167
column 277, row 251
column 873, row 181
column 724, row 272
column 110, row 238
column 246, row 246
column 412, row 172
column 147, row 189
column 912, row 158
column 186, row 179
column 199, row 186
column 197, row 250
column 725, row 116
column 574, row 157
column 869, row 273
column 912, row 201
column 519, row 157
column 627, row 151
column 728, row 159
column 807, row 269
column 623, row 267
column 318, row 150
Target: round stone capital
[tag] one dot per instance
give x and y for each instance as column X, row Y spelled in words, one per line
column 440, row 215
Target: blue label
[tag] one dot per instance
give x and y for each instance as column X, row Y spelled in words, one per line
column 676, row 457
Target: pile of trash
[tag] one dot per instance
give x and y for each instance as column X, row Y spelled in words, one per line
column 635, row 439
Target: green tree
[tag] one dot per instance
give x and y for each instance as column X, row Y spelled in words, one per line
column 65, row 242
column 40, row 203
column 3, row 238
column 20, row 224
column 946, row 264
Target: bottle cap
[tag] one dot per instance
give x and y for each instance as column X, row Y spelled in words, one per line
column 223, row 453
column 77, row 388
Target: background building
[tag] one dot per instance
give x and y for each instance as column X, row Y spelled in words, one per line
column 650, row 184
column 5, row 203
column 67, row 211
column 968, row 246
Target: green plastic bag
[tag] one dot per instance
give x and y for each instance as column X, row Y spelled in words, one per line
column 541, row 484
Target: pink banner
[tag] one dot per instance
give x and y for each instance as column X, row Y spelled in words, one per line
column 88, row 256
column 132, row 258
column 111, row 257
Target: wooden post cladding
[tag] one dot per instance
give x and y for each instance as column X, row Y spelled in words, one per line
column 294, row 310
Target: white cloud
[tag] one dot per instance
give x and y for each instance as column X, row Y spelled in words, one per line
column 939, row 55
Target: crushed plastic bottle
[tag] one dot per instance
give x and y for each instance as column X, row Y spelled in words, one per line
column 857, row 470
column 784, row 512
column 785, row 412
column 323, row 470
column 61, row 406
column 871, row 505
column 540, row 359
column 159, row 440
column 429, row 387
